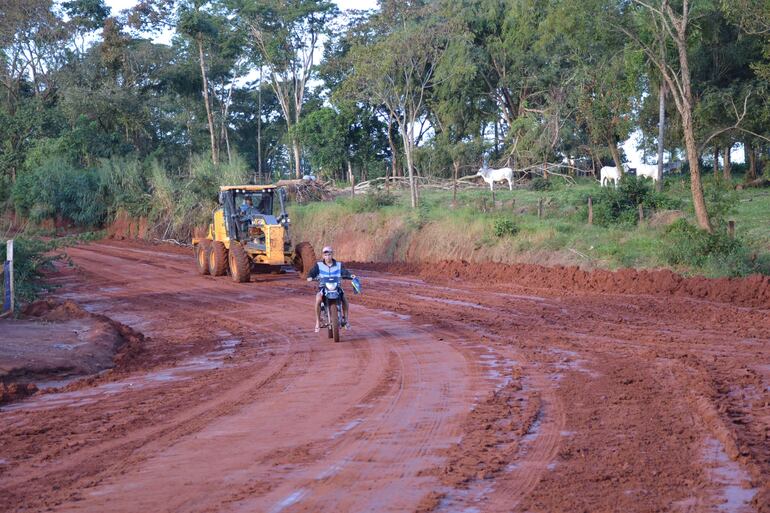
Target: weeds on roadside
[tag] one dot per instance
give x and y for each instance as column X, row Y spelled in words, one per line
column 504, row 227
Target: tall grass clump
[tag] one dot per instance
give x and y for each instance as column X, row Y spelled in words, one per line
column 182, row 202
column 57, row 189
column 124, row 185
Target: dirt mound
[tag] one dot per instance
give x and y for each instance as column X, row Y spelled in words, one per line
column 54, row 343
column 52, row 311
column 15, row 391
column 753, row 291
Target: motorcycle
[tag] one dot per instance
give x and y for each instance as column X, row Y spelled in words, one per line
column 331, row 305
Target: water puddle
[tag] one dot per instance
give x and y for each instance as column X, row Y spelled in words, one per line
column 347, row 427
column 290, row 500
column 403, row 317
column 455, row 302
column 735, row 494
column 184, row 371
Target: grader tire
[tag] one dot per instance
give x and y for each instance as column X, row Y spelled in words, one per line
column 304, row 258
column 240, row 263
column 218, row 259
column 202, row 256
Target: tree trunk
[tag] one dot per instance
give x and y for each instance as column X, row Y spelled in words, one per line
column 696, row 187
column 351, row 180
column 393, row 150
column 209, row 115
column 616, row 156
column 751, row 160
column 716, row 162
column 661, row 134
column 456, row 173
column 726, row 165
column 409, row 164
column 259, row 127
column 592, row 154
column 297, row 168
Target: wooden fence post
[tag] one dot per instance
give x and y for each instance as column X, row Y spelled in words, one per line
column 590, row 211
column 8, row 299
column 641, row 213
column 731, row 229
column 540, row 207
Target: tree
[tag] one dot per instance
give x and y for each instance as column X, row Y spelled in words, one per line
column 398, row 72
column 286, row 38
column 658, row 23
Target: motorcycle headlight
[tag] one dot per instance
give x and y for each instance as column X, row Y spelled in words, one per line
column 330, row 286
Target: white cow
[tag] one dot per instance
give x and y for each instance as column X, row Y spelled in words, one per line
column 608, row 173
column 496, row 175
column 648, row 170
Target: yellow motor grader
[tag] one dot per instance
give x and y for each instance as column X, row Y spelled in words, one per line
column 246, row 236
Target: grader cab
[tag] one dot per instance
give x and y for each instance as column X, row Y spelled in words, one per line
column 246, row 235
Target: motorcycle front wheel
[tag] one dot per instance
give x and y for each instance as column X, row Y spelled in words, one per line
column 334, row 321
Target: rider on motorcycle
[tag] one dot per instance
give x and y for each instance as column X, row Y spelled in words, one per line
column 329, row 268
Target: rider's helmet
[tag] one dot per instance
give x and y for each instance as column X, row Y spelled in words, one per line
column 327, row 249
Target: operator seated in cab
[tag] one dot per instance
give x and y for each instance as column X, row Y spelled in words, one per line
column 247, row 208
column 329, row 268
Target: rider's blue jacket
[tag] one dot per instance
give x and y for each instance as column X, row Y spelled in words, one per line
column 327, row 271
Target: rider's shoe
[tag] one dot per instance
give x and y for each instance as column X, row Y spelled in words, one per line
column 317, row 328
column 346, row 324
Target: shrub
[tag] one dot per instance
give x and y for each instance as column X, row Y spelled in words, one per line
column 541, row 184
column 505, row 227
column 620, row 206
column 372, row 201
column 30, row 258
column 715, row 253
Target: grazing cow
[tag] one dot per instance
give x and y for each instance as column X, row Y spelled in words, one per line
column 496, row 175
column 648, row 170
column 608, row 173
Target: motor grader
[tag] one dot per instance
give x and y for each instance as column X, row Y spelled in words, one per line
column 246, row 236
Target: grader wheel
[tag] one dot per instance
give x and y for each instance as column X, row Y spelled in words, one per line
column 240, row 264
column 202, row 256
column 304, row 258
column 217, row 259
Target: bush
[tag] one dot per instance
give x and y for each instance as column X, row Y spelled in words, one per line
column 505, row 227
column 57, row 189
column 372, row 201
column 541, row 184
column 715, row 253
column 620, row 206
column 30, row 258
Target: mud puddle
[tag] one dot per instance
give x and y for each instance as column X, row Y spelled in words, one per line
column 187, row 369
column 735, row 492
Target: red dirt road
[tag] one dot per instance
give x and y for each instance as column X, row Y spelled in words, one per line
column 446, row 396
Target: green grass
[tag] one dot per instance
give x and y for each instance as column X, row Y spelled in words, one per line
column 563, row 227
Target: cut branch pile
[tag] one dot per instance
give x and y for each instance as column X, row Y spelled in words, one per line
column 303, row 191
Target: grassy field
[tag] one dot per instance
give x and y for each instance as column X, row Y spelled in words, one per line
column 510, row 230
